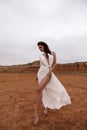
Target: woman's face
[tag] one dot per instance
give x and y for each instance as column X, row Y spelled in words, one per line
column 41, row 48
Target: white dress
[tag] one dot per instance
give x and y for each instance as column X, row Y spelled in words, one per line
column 54, row 95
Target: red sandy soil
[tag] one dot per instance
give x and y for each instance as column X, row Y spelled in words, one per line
column 17, row 96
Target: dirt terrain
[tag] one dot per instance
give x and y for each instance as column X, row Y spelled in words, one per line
column 17, row 97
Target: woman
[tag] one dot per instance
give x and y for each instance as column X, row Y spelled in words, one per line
column 51, row 92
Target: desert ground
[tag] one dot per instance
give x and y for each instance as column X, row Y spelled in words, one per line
column 17, row 97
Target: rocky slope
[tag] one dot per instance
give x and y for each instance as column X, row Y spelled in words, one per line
column 33, row 67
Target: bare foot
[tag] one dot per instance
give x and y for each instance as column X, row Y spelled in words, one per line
column 35, row 119
column 45, row 111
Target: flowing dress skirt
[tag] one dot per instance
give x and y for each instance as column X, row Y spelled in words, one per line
column 54, row 95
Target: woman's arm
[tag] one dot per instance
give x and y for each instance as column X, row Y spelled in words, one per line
column 54, row 61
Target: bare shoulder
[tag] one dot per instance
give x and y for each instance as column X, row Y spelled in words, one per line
column 53, row 53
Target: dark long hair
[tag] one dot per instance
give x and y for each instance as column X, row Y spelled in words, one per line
column 46, row 48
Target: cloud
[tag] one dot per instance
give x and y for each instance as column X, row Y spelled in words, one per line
column 59, row 23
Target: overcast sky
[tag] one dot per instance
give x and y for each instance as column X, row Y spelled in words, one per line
column 60, row 23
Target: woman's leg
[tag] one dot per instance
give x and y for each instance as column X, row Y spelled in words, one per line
column 42, row 85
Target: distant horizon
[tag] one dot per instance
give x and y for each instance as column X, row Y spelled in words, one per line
column 38, row 61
